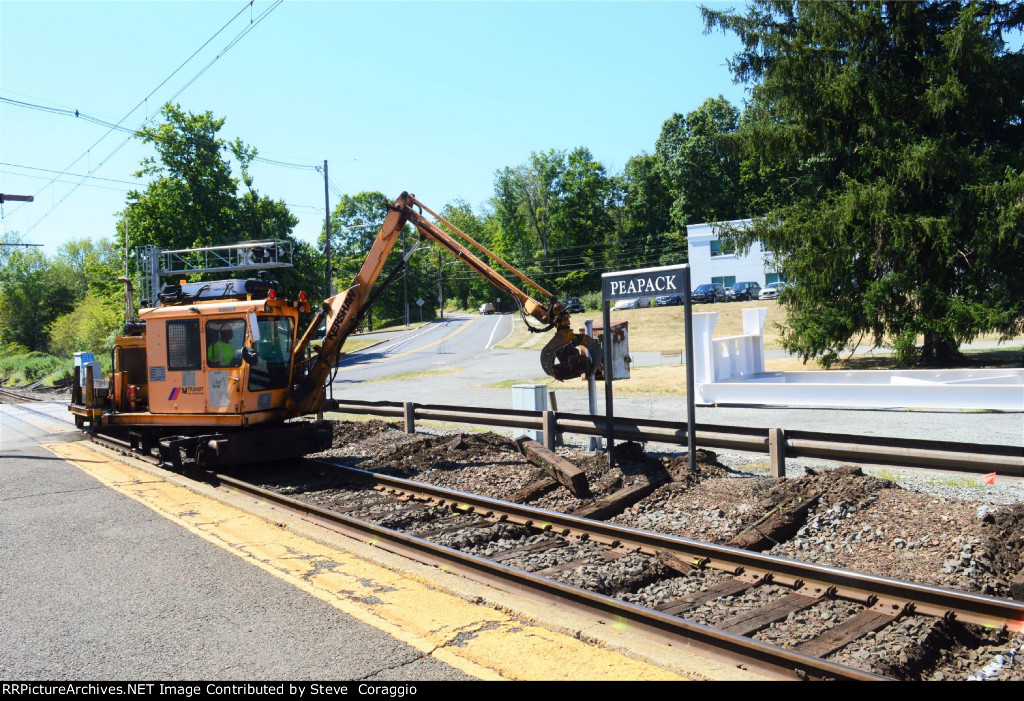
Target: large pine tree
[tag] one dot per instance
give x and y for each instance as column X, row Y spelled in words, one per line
column 896, row 134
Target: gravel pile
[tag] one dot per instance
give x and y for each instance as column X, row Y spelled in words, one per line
column 932, row 649
column 623, row 574
column 714, row 510
column 946, row 530
column 801, row 626
column 722, row 609
column 915, row 536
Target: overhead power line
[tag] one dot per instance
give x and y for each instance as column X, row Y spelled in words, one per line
column 285, row 164
column 118, row 125
column 59, row 173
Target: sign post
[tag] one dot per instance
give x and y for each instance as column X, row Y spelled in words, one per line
column 648, row 282
column 420, row 303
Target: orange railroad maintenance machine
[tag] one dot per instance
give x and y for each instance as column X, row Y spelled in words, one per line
column 215, row 373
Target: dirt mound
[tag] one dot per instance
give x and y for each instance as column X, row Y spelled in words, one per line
column 445, row 453
column 1001, row 532
column 707, row 465
column 633, row 465
column 348, row 432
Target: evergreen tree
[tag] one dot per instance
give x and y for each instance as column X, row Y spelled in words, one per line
column 894, row 133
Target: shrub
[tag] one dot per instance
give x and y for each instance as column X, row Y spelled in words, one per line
column 87, row 328
column 34, row 366
column 592, row 300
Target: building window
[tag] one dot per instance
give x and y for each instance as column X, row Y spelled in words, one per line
column 769, row 278
column 722, row 248
column 183, row 345
column 726, row 280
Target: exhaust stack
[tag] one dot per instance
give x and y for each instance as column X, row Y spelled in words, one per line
column 129, row 301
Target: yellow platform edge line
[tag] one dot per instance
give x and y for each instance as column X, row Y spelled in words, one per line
column 478, row 640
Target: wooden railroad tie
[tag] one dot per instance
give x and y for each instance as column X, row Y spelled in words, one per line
column 777, row 526
column 614, row 504
column 572, row 477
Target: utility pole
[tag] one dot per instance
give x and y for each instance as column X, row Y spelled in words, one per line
column 126, row 242
column 327, row 271
column 327, row 228
column 405, row 281
column 440, row 289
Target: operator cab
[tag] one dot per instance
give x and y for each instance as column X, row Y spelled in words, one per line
column 220, row 358
column 215, row 353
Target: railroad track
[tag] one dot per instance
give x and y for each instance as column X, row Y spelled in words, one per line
column 10, row 395
column 589, row 565
column 24, row 402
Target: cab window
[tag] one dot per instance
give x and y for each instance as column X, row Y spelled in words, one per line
column 224, row 340
column 183, row 345
column 273, row 354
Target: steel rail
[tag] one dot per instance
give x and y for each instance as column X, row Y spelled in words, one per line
column 30, row 400
column 756, row 655
column 17, row 395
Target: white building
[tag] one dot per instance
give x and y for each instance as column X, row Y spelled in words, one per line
column 710, row 261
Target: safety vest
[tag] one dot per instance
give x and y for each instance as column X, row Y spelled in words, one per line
column 220, row 353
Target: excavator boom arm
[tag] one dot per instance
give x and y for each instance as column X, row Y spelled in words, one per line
column 560, row 358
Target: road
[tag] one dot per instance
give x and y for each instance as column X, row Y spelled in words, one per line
column 439, row 345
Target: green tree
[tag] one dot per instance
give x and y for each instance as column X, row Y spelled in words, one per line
column 464, row 284
column 93, row 268
column 90, row 326
column 355, row 222
column 553, row 218
column 33, row 292
column 648, row 236
column 897, row 130
column 582, row 224
column 701, row 167
column 193, row 198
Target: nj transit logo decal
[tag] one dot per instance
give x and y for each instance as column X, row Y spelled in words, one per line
column 175, row 391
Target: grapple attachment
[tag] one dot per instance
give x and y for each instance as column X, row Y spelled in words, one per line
column 562, row 359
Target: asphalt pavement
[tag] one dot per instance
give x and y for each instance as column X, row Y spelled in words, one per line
column 439, row 345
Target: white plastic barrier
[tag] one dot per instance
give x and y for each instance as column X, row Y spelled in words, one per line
column 730, row 370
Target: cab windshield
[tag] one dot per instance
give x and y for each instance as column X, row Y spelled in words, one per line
column 273, row 354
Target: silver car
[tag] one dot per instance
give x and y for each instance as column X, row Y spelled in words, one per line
column 633, row 303
column 771, row 290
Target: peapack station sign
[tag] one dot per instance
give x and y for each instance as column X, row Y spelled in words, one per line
column 667, row 280
column 649, row 282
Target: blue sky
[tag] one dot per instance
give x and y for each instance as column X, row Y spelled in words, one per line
column 429, row 97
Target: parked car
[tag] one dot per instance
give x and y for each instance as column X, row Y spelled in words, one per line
column 668, row 301
column 744, row 291
column 636, row 303
column 771, row 290
column 573, row 306
column 709, row 292
column 486, row 308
